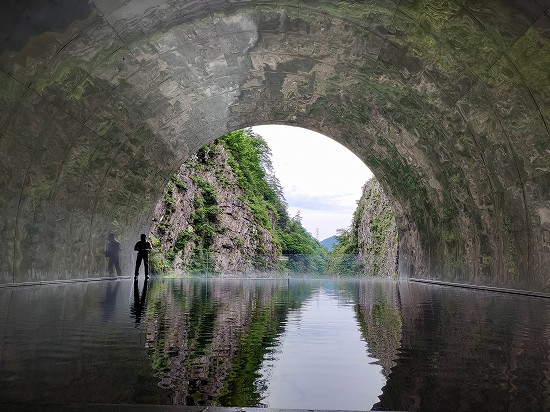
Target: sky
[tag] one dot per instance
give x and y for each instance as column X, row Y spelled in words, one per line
column 320, row 177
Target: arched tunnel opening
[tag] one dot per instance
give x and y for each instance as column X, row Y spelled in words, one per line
column 270, row 201
column 446, row 102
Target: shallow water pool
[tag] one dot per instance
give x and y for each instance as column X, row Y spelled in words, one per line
column 295, row 344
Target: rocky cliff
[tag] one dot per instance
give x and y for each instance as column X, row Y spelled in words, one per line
column 224, row 211
column 376, row 231
column 204, row 222
column 370, row 244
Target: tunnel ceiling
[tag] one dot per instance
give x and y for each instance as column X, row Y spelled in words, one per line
column 448, row 102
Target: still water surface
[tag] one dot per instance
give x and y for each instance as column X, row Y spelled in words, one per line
column 310, row 344
column 321, row 360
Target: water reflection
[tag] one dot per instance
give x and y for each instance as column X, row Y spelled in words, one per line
column 378, row 312
column 73, row 343
column 108, row 304
column 207, row 339
column 469, row 350
column 137, row 310
column 320, row 361
column 234, row 342
column 275, row 343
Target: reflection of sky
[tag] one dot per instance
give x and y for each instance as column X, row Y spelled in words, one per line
column 321, row 361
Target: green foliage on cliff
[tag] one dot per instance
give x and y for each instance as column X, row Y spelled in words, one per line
column 248, row 157
column 343, row 257
column 251, row 162
column 369, row 244
column 305, row 254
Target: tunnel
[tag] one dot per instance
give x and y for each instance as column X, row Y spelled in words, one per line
column 447, row 102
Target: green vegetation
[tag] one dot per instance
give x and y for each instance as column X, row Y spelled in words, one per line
column 158, row 260
column 265, row 325
column 344, row 255
column 343, row 259
column 250, row 160
column 375, row 254
column 275, row 240
column 248, row 157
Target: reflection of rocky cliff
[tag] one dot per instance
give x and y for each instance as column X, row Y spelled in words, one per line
column 465, row 350
column 379, row 316
column 206, row 339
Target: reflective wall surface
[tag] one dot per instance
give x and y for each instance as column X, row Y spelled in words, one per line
column 446, row 102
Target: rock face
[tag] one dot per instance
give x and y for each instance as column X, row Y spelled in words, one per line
column 204, row 224
column 376, row 236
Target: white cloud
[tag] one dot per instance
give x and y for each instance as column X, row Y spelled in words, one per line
column 322, row 202
column 319, row 176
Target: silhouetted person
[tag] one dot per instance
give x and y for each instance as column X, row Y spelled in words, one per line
column 137, row 310
column 142, row 247
column 112, row 252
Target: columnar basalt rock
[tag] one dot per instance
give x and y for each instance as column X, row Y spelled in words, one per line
column 446, row 102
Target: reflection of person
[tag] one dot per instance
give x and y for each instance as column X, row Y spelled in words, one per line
column 142, row 247
column 138, row 308
column 108, row 304
column 112, row 252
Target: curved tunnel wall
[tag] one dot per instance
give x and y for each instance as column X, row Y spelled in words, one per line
column 446, row 102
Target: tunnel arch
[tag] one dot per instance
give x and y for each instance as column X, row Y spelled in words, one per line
column 446, row 102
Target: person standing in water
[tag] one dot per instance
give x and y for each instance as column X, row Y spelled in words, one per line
column 112, row 253
column 142, row 247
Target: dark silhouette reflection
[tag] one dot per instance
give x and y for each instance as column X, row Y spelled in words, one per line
column 70, row 343
column 112, row 253
column 137, row 310
column 108, row 304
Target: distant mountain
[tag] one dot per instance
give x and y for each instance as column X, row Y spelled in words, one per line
column 329, row 242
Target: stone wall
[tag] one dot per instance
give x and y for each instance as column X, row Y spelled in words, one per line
column 446, row 102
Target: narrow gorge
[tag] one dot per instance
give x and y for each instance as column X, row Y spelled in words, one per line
column 224, row 212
